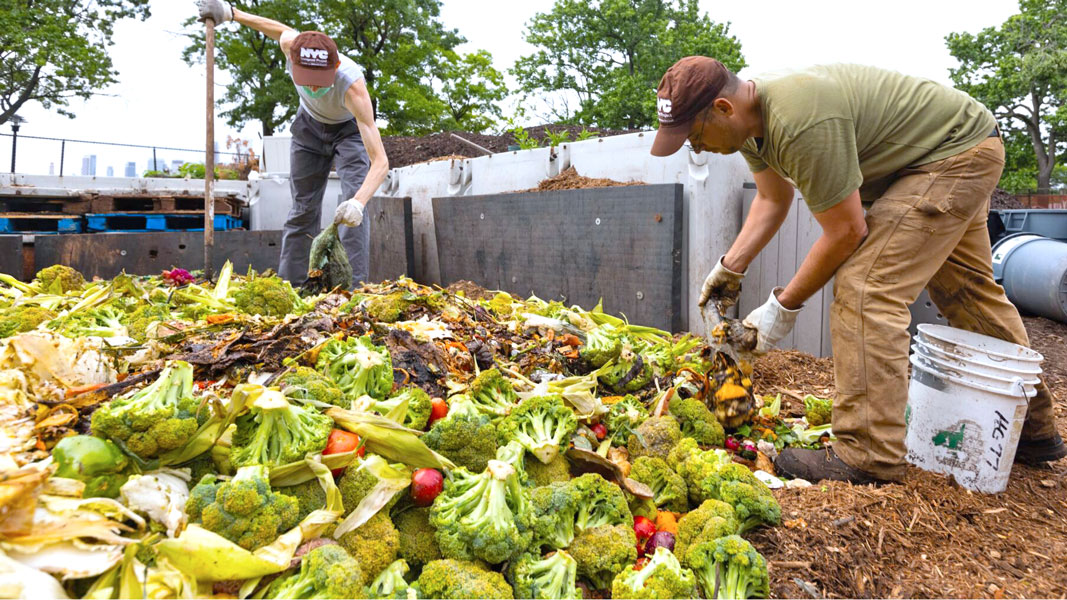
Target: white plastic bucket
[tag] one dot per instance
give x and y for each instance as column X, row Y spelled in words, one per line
column 925, row 349
column 963, row 428
column 1001, row 380
column 978, row 348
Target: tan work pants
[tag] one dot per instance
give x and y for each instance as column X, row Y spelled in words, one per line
column 928, row 230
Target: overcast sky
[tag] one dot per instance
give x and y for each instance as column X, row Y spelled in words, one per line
column 159, row 100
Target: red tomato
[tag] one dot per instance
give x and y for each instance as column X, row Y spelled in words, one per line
column 426, row 484
column 643, row 528
column 439, row 409
column 600, row 431
column 341, row 441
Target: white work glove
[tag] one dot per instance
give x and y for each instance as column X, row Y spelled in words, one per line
column 216, row 10
column 349, row 212
column 721, row 285
column 772, row 322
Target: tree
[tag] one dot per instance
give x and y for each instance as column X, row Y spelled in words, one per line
column 55, row 50
column 262, row 89
column 1019, row 71
column 602, row 60
column 470, row 88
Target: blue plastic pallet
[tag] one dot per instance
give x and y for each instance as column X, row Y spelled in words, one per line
column 39, row 225
column 134, row 222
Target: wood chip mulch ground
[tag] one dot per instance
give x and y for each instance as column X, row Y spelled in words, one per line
column 927, row 537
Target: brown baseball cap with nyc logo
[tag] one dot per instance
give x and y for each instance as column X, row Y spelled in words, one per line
column 314, row 58
column 690, row 85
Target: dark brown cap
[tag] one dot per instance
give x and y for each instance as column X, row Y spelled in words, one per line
column 314, row 58
column 686, row 89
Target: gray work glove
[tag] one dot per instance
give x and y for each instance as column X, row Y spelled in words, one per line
column 772, row 322
column 722, row 285
column 216, row 10
column 349, row 212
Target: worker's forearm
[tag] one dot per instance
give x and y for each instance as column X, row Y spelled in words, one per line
column 818, row 267
column 268, row 27
column 764, row 218
column 375, row 177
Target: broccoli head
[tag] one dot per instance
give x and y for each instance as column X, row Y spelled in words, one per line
column 387, row 308
column 712, row 474
column 818, row 411
column 94, row 461
column 465, row 436
column 243, row 510
column 102, row 321
column 390, row 583
column 451, row 579
column 59, row 279
column 540, row 424
column 559, row 469
column 139, row 322
column 418, row 545
column 655, row 437
column 355, row 483
column 553, row 508
column 418, row 406
column 668, row 487
column 492, row 393
column 23, row 318
column 267, row 296
column 276, row 432
column 628, row 373
column 601, row 502
column 157, row 418
column 661, row 577
column 550, row 578
column 564, row 509
column 624, row 417
column 309, row 496
column 305, row 383
column 373, row 544
column 729, row 568
column 325, row 572
column 485, row 515
column 603, row 552
column 712, row 519
column 601, row 345
column 358, row 367
column 697, row 421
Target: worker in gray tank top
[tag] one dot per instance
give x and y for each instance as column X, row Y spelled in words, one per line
column 335, row 124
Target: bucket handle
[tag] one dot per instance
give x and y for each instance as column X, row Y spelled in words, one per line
column 1017, row 384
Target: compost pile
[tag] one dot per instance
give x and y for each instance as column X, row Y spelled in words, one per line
column 167, row 437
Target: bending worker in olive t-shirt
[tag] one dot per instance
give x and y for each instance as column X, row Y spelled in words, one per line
column 923, row 159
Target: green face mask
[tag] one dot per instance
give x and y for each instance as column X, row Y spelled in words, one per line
column 319, row 94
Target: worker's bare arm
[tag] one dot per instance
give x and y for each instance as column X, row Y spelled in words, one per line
column 774, row 198
column 358, row 102
column 279, row 32
column 843, row 230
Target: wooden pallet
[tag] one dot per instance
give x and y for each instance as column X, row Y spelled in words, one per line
column 160, row 204
column 43, row 204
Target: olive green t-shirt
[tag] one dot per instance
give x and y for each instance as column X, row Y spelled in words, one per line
column 835, row 128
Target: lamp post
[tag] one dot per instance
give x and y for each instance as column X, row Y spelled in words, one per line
column 16, row 122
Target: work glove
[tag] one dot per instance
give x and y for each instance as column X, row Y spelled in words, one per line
column 772, row 322
column 349, row 212
column 722, row 285
column 216, row 10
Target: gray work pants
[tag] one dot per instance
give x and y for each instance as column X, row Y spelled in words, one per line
column 314, row 148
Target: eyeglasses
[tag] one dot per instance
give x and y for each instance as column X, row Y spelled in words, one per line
column 702, row 115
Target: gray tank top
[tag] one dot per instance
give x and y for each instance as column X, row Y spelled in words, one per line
column 330, row 108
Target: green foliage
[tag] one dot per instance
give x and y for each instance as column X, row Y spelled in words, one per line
column 697, row 421
column 465, row 436
column 730, row 565
column 668, row 487
column 603, row 552
column 540, row 424
column 160, row 417
column 374, row 544
column 521, row 136
column 451, row 579
column 305, row 383
column 662, row 577
column 470, row 89
column 325, row 572
column 97, row 462
column 551, row 578
column 62, row 51
column 484, row 516
column 243, row 510
column 276, row 432
column 261, row 90
column 358, row 367
column 604, row 59
column 418, row 546
column 1019, row 71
